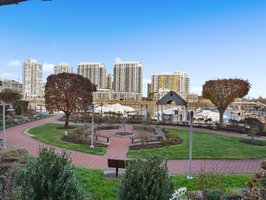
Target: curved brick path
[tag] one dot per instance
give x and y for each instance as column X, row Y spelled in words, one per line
column 119, row 147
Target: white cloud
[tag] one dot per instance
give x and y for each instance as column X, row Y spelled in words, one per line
column 146, row 81
column 48, row 68
column 118, row 60
column 197, row 90
column 14, row 63
column 6, row 75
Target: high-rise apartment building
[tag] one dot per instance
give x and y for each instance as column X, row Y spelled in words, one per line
column 94, row 71
column 128, row 79
column 109, row 81
column 32, row 79
column 178, row 82
column 62, row 67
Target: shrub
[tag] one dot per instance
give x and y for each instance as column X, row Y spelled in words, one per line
column 146, row 179
column 257, row 184
column 11, row 160
column 236, row 194
column 253, row 122
column 213, row 194
column 50, row 176
column 171, row 138
column 80, row 132
column 144, row 136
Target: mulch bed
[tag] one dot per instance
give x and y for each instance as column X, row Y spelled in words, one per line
column 79, row 141
column 253, row 142
column 153, row 145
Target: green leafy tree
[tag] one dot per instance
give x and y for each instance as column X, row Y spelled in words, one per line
column 222, row 92
column 68, row 93
column 146, row 180
column 49, row 177
column 9, row 96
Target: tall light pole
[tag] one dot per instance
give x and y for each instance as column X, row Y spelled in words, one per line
column 190, row 145
column 4, row 123
column 4, row 119
column 92, row 128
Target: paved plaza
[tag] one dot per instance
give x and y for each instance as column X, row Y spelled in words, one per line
column 118, row 149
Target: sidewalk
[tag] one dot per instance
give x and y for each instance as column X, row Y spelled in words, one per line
column 119, row 147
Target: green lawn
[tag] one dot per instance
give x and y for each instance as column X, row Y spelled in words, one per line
column 205, row 146
column 95, row 185
column 104, row 188
column 49, row 134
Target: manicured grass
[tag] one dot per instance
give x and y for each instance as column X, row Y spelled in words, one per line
column 205, row 146
column 50, row 134
column 104, row 188
column 95, row 185
column 224, row 182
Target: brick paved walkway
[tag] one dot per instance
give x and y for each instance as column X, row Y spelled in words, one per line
column 119, row 147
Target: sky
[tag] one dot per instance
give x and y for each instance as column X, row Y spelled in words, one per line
column 208, row 39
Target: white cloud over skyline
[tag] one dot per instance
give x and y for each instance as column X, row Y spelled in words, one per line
column 14, row 63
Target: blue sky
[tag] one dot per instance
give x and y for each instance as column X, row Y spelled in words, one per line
column 208, row 39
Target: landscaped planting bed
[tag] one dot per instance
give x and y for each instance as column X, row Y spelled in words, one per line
column 205, row 146
column 50, row 134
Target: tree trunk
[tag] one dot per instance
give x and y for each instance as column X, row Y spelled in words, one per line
column 67, row 120
column 221, row 112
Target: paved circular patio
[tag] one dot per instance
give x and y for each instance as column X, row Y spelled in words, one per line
column 118, row 149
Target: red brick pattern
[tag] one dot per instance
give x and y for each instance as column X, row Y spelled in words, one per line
column 118, row 149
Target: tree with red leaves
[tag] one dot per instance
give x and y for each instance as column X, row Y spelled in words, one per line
column 68, row 93
column 222, row 92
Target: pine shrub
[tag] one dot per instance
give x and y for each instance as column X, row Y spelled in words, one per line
column 49, row 177
column 146, row 179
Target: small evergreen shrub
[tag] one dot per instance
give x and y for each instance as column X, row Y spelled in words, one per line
column 49, row 177
column 146, row 180
column 213, row 194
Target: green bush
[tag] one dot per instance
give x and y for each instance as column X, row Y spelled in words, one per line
column 171, row 138
column 213, row 194
column 80, row 132
column 236, row 194
column 146, row 179
column 49, row 177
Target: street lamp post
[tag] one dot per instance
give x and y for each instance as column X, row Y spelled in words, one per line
column 4, row 120
column 92, row 128
column 190, row 145
column 4, row 123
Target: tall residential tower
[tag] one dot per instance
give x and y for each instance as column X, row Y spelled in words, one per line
column 164, row 82
column 94, row 71
column 32, row 79
column 127, row 83
column 62, row 67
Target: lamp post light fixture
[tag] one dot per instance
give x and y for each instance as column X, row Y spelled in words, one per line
column 91, row 108
column 4, row 120
column 190, row 145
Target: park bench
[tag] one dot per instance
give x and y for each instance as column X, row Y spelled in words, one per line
column 159, row 134
column 117, row 163
column 106, row 136
column 133, row 137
